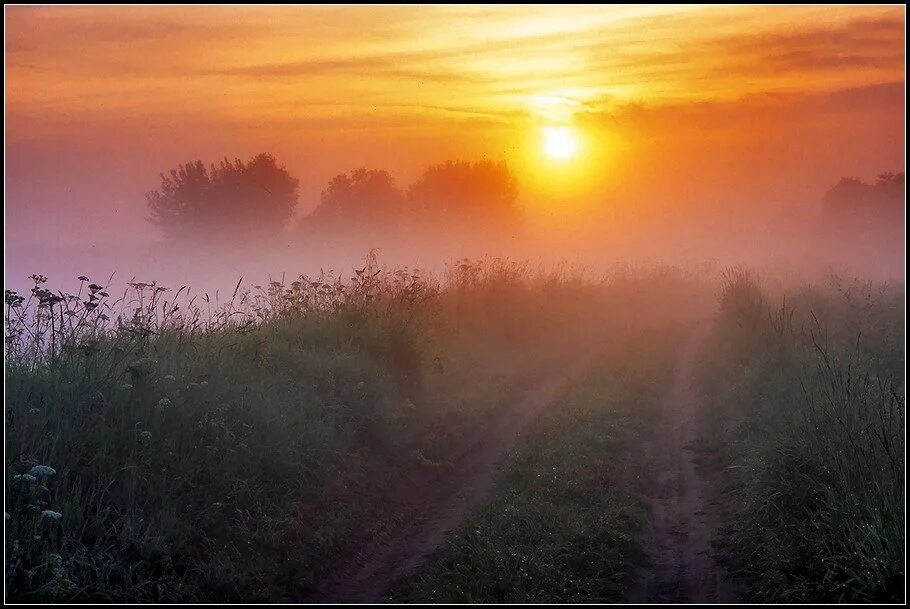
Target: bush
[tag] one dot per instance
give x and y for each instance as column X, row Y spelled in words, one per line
column 813, row 426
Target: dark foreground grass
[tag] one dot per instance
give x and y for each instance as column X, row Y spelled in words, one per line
column 166, row 448
column 807, row 404
column 562, row 522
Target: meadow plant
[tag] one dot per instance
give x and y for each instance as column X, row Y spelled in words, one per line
column 208, row 448
column 809, row 402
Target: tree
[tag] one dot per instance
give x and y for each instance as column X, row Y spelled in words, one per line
column 363, row 198
column 852, row 200
column 481, row 193
column 890, row 189
column 257, row 196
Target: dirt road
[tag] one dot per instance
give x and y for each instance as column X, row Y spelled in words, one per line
column 683, row 485
column 428, row 506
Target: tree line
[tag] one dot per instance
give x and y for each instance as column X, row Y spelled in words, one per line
column 259, row 197
column 852, row 200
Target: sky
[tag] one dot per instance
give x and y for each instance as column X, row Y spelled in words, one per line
column 677, row 112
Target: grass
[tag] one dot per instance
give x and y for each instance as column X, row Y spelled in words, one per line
column 807, row 400
column 164, row 446
column 562, row 522
column 226, row 451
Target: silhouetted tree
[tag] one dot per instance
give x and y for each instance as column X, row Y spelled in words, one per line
column 257, row 196
column 481, row 193
column 890, row 188
column 361, row 198
column 852, row 200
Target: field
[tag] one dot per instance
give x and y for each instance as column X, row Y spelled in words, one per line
column 493, row 432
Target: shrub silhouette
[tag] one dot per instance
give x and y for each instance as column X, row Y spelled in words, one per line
column 361, row 198
column 481, row 193
column 232, row 197
column 852, row 200
column 465, row 198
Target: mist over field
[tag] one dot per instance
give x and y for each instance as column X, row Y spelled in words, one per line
column 455, row 304
column 734, row 172
column 853, row 226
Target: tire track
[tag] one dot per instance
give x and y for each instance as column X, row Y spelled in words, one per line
column 427, row 507
column 683, row 486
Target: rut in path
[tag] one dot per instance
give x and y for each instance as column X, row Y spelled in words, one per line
column 683, row 486
column 428, row 506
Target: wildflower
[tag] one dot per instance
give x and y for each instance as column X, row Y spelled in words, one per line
column 34, row 411
column 126, row 386
column 145, row 435
column 163, row 403
column 51, row 514
column 55, row 559
column 170, row 377
column 82, row 278
column 44, row 471
column 203, row 383
column 25, row 478
column 13, row 299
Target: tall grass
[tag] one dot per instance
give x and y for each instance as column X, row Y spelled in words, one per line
column 808, row 399
column 170, row 446
column 190, row 442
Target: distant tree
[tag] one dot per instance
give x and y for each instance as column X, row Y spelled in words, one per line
column 481, row 193
column 361, row 198
column 852, row 200
column 890, row 188
column 257, row 196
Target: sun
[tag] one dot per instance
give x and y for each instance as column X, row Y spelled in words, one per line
column 560, row 143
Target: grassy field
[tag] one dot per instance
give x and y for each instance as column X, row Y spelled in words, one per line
column 162, row 446
column 806, row 399
column 563, row 519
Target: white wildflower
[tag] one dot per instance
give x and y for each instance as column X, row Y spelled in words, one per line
column 203, row 383
column 43, row 471
column 146, row 435
column 126, row 386
column 170, row 377
column 51, row 514
column 34, row 411
column 25, row 478
column 163, row 403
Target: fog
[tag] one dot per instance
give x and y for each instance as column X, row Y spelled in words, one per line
column 808, row 241
column 681, row 160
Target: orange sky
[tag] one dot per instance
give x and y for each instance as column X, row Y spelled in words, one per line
column 679, row 105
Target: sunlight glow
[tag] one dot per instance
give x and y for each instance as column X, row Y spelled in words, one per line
column 560, row 143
